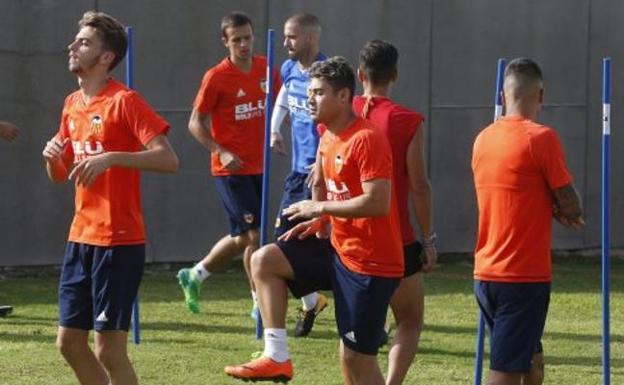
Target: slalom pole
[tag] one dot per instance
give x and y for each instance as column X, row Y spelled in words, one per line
column 498, row 112
column 268, row 109
column 136, row 327
column 606, row 133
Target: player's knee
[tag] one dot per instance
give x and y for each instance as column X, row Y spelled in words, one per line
column 261, row 262
column 110, row 357
column 69, row 348
column 253, row 238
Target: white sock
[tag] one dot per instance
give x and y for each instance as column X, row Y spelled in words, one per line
column 275, row 345
column 309, row 301
column 201, row 272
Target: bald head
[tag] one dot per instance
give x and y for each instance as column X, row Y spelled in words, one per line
column 523, row 80
column 308, row 23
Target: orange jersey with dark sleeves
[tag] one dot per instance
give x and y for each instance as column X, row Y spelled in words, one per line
column 368, row 245
column 108, row 212
column 235, row 101
column 399, row 125
column 516, row 165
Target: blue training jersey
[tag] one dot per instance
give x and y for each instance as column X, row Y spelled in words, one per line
column 305, row 137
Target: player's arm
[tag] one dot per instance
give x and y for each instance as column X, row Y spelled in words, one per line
column 199, row 126
column 8, row 131
column 568, row 209
column 420, row 193
column 157, row 156
column 374, row 201
column 280, row 113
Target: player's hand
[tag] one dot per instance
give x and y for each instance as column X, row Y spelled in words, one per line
column 229, row 160
column 303, row 210
column 87, row 170
column 277, row 143
column 8, row 131
column 431, row 256
column 565, row 221
column 303, row 230
column 55, row 148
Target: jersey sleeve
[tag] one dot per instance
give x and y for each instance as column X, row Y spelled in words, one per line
column 144, row 123
column 373, row 155
column 548, row 151
column 408, row 123
column 207, row 96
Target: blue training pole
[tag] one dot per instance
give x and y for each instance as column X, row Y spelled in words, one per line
column 268, row 110
column 136, row 328
column 606, row 132
column 498, row 112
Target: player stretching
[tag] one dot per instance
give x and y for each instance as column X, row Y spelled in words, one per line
column 228, row 120
column 354, row 172
column 106, row 136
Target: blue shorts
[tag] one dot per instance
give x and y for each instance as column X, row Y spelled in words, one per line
column 311, row 260
column 361, row 304
column 515, row 314
column 413, row 257
column 295, row 190
column 98, row 286
column 241, row 196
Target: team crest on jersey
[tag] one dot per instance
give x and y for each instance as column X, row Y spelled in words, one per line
column 263, row 85
column 338, row 162
column 97, row 125
column 248, row 217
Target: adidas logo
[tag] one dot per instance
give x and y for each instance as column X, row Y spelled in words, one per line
column 240, row 93
column 102, row 317
column 351, row 337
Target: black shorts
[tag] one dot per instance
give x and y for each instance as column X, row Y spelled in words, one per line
column 311, row 260
column 413, row 256
column 241, row 198
column 295, row 190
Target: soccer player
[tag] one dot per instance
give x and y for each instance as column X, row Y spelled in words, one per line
column 302, row 32
column 107, row 135
column 354, row 172
column 8, row 132
column 522, row 182
column 403, row 128
column 228, row 120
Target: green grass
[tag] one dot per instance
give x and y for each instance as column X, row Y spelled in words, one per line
column 181, row 348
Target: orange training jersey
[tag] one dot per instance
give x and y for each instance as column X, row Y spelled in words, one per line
column 368, row 245
column 235, row 101
column 399, row 125
column 516, row 165
column 108, row 212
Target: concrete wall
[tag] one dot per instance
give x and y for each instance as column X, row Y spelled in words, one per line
column 447, row 69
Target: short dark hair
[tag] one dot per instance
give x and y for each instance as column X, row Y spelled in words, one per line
column 233, row 20
column 524, row 69
column 336, row 71
column 378, row 60
column 308, row 21
column 111, row 32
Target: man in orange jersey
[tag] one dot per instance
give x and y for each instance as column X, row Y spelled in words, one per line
column 522, row 182
column 8, row 132
column 228, row 120
column 107, row 135
column 353, row 191
column 403, row 128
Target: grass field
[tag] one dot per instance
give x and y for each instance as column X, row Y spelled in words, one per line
column 181, row 348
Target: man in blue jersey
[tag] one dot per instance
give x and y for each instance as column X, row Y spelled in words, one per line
column 301, row 39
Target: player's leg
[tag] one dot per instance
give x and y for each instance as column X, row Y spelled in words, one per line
column 117, row 273
column 408, row 305
column 515, row 314
column 252, row 239
column 302, row 267
column 296, row 189
column 536, row 375
column 361, row 308
column 76, row 315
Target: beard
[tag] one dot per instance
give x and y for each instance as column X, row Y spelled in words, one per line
column 76, row 67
